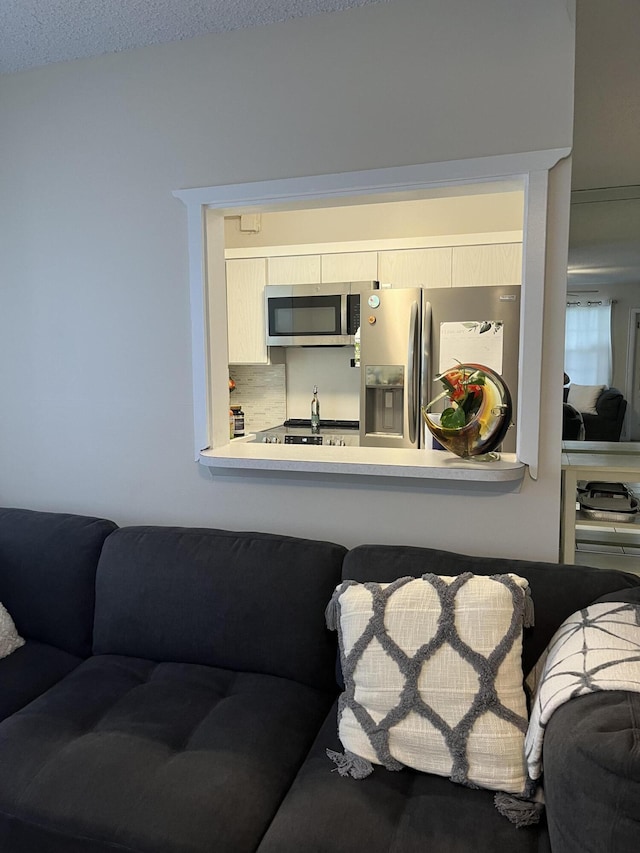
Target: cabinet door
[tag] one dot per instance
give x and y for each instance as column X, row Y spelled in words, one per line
column 415, row 268
column 294, row 269
column 500, row 263
column 350, row 266
column 246, row 279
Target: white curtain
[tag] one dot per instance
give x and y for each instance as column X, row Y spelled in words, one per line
column 587, row 347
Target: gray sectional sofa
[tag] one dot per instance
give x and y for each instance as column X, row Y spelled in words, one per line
column 177, row 694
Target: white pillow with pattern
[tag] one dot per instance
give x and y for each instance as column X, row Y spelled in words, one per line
column 10, row 640
column 433, row 677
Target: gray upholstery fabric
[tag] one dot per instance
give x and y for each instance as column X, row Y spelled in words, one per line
column 132, row 755
column 251, row 602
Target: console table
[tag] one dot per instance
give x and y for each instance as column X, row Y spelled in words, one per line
column 607, row 461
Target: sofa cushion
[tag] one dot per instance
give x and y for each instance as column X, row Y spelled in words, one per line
column 29, row 671
column 557, row 590
column 433, row 673
column 244, row 601
column 404, row 812
column 47, row 575
column 10, row 640
column 584, row 397
column 128, row 754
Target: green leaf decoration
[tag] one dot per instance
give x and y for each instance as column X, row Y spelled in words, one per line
column 453, row 418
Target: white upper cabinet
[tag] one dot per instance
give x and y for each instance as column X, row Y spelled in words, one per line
column 499, row 263
column 350, row 266
column 294, row 269
column 415, row 267
column 246, row 279
column 457, row 266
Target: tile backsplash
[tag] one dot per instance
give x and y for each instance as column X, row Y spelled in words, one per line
column 262, row 392
column 330, row 369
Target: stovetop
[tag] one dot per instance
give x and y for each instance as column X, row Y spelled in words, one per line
column 324, row 425
column 333, row 433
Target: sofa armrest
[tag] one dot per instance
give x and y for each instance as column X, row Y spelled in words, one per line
column 607, row 424
column 592, row 773
column 591, row 752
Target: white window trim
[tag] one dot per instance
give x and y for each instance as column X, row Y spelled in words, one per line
column 206, row 263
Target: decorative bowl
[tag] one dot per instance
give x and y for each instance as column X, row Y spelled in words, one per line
column 479, row 404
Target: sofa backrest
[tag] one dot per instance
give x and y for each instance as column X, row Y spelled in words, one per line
column 48, row 566
column 252, row 602
column 557, row 590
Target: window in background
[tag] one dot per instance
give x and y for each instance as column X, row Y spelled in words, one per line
column 587, row 347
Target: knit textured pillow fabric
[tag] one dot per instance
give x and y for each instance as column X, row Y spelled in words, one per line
column 433, row 677
column 10, row 640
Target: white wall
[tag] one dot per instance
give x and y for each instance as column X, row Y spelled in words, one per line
column 94, row 327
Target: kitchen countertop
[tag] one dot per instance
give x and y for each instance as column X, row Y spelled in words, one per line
column 245, row 453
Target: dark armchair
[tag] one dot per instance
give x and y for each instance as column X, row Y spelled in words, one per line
column 605, row 425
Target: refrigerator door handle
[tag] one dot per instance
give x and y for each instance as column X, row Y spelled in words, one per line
column 412, row 375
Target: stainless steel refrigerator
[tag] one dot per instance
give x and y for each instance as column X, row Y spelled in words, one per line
column 410, row 335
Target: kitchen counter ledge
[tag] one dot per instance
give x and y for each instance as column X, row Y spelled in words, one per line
column 367, row 461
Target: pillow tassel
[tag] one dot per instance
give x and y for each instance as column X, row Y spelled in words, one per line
column 518, row 811
column 529, row 613
column 350, row 764
column 331, row 614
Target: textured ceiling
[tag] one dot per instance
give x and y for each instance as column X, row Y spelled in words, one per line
column 38, row 32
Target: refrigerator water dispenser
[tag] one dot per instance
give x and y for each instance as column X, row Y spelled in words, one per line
column 384, row 399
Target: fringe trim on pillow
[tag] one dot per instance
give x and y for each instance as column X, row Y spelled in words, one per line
column 520, row 812
column 349, row 764
column 332, row 612
column 529, row 619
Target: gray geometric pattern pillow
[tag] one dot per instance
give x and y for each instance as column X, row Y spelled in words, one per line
column 433, row 677
column 10, row 640
column 597, row 648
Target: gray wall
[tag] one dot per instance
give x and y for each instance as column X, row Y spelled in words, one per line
column 607, row 119
column 96, row 409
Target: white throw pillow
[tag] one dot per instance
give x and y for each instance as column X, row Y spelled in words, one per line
column 10, row 640
column 583, row 397
column 433, row 676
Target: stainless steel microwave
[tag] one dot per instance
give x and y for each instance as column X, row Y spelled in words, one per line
column 312, row 315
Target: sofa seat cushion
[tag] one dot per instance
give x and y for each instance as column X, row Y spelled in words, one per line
column 133, row 755
column 390, row 812
column 29, row 671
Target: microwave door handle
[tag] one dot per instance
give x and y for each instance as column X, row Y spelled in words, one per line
column 411, row 372
column 344, row 324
